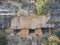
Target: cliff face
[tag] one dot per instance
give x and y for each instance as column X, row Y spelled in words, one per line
column 29, row 22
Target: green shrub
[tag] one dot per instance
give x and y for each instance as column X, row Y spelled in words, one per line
column 52, row 40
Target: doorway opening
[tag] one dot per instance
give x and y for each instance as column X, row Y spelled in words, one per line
column 44, row 30
column 16, row 31
column 31, row 31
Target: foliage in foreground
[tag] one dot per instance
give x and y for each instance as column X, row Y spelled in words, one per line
column 58, row 34
column 52, row 40
column 2, row 38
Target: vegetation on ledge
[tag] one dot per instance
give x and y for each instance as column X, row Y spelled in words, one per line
column 42, row 6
